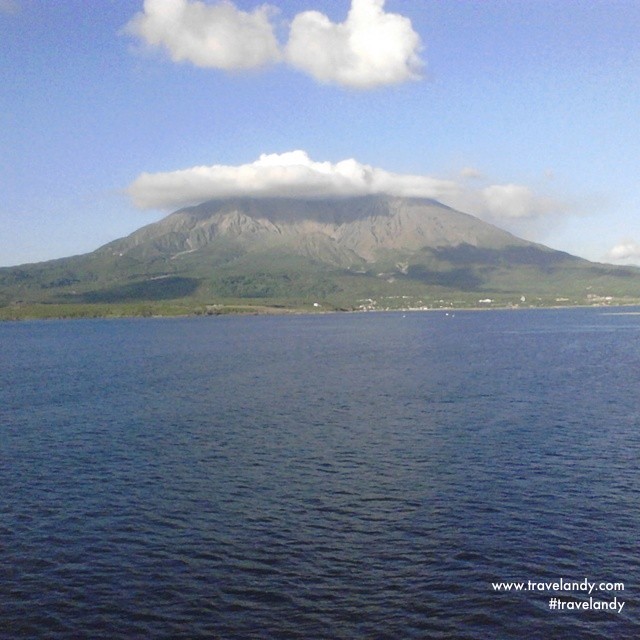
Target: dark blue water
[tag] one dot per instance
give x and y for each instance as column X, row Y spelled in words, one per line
column 339, row 476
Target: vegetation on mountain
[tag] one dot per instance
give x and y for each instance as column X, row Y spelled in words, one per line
column 253, row 255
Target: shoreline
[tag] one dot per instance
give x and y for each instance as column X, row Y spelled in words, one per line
column 103, row 312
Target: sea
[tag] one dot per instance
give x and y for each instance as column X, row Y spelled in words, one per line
column 462, row 475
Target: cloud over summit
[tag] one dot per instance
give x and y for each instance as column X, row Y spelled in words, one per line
column 288, row 174
column 371, row 48
column 295, row 174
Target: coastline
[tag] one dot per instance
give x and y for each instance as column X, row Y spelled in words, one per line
column 41, row 311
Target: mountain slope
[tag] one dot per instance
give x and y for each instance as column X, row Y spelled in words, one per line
column 405, row 251
column 357, row 227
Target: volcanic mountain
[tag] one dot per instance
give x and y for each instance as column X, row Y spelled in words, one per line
column 343, row 252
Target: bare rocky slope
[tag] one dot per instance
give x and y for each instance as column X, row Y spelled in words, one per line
column 347, row 230
column 340, row 251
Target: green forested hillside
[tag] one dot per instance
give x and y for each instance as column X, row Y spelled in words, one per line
column 356, row 253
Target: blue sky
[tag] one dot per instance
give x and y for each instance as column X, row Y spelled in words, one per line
column 524, row 113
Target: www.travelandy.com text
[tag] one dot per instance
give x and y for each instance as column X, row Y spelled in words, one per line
column 563, row 586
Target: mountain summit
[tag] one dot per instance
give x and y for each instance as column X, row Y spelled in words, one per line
column 370, row 251
column 334, row 231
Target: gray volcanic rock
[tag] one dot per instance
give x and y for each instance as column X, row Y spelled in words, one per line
column 341, row 250
column 337, row 231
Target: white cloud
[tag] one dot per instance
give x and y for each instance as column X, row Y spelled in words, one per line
column 513, row 207
column 471, row 173
column 295, row 174
column 10, row 7
column 277, row 175
column 515, row 201
column 625, row 252
column 219, row 35
column 371, row 48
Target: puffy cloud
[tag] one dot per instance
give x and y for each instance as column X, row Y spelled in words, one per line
column 219, row 36
column 277, row 175
column 371, row 48
column 10, row 7
column 625, row 252
column 515, row 208
column 470, row 173
column 295, row 174
column 515, row 201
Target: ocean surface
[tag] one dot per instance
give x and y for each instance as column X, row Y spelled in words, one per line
column 356, row 476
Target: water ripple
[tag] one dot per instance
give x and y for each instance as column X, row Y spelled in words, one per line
column 327, row 477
